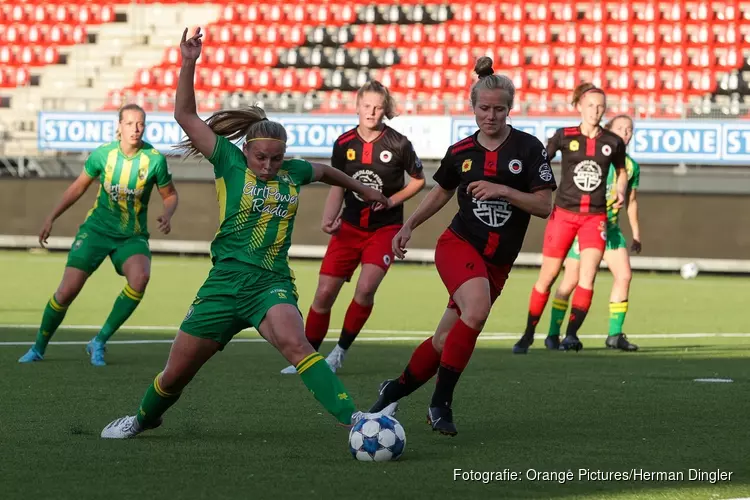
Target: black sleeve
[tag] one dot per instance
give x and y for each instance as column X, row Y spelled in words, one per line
column 448, row 176
column 618, row 155
column 338, row 158
column 411, row 162
column 554, row 144
column 540, row 175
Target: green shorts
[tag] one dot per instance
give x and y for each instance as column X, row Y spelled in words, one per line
column 615, row 240
column 231, row 300
column 91, row 247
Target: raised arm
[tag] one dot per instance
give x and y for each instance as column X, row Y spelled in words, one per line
column 185, row 111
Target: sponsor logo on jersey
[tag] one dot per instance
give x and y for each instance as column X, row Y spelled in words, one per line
column 466, row 166
column 369, row 179
column 386, row 156
column 545, row 172
column 270, row 200
column 574, row 145
column 587, row 175
column 119, row 192
column 351, row 154
column 606, row 150
column 515, row 166
column 493, row 213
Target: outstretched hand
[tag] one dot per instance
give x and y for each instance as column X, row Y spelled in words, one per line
column 191, row 47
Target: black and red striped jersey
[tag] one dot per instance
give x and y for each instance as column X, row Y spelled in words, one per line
column 585, row 166
column 379, row 164
column 495, row 227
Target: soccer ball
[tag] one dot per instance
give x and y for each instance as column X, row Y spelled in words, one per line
column 689, row 271
column 377, row 438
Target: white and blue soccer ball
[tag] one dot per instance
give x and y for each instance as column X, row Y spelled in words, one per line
column 377, row 438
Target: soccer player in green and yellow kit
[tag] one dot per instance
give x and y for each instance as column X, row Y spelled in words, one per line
column 615, row 255
column 127, row 169
column 251, row 283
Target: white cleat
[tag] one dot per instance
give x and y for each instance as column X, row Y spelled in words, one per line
column 289, row 370
column 122, row 428
column 336, row 358
column 388, row 411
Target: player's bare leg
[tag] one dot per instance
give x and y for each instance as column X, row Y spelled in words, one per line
column 70, row 286
column 370, row 278
column 584, row 292
column 618, row 262
column 319, row 314
column 539, row 294
column 186, row 357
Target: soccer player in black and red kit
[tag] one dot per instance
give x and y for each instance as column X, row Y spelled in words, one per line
column 502, row 177
column 588, row 152
column 377, row 156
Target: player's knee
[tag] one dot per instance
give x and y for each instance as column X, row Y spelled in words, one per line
column 624, row 277
column 476, row 314
column 438, row 340
column 325, row 296
column 365, row 295
column 139, row 280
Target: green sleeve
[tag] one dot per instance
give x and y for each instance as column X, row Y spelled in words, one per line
column 163, row 174
column 224, row 156
column 636, row 179
column 94, row 164
column 300, row 171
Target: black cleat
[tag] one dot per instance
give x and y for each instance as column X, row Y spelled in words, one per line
column 620, row 341
column 523, row 344
column 441, row 420
column 384, row 398
column 552, row 342
column 571, row 343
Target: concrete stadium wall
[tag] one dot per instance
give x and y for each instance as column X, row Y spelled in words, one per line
column 672, row 225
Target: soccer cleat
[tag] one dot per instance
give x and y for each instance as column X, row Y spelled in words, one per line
column 441, row 420
column 336, row 358
column 289, row 370
column 388, row 411
column 383, row 396
column 125, row 428
column 96, row 350
column 552, row 342
column 620, row 341
column 571, row 343
column 523, row 344
column 31, row 356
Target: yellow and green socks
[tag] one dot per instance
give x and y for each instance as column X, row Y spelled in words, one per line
column 559, row 308
column 124, row 306
column 617, row 312
column 54, row 313
column 326, row 387
column 155, row 402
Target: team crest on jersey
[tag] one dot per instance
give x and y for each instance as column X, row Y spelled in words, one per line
column 109, row 168
column 574, row 145
column 606, row 150
column 466, row 166
column 369, row 179
column 493, row 213
column 587, row 175
column 545, row 172
column 350, row 154
column 142, row 173
column 515, row 166
column 154, row 151
column 386, row 156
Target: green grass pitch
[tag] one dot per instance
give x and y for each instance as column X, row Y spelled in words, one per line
column 241, row 430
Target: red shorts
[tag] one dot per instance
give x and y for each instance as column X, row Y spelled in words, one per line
column 563, row 227
column 351, row 246
column 457, row 262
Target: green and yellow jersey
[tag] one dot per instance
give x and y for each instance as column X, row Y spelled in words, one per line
column 634, row 176
column 256, row 217
column 126, row 182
